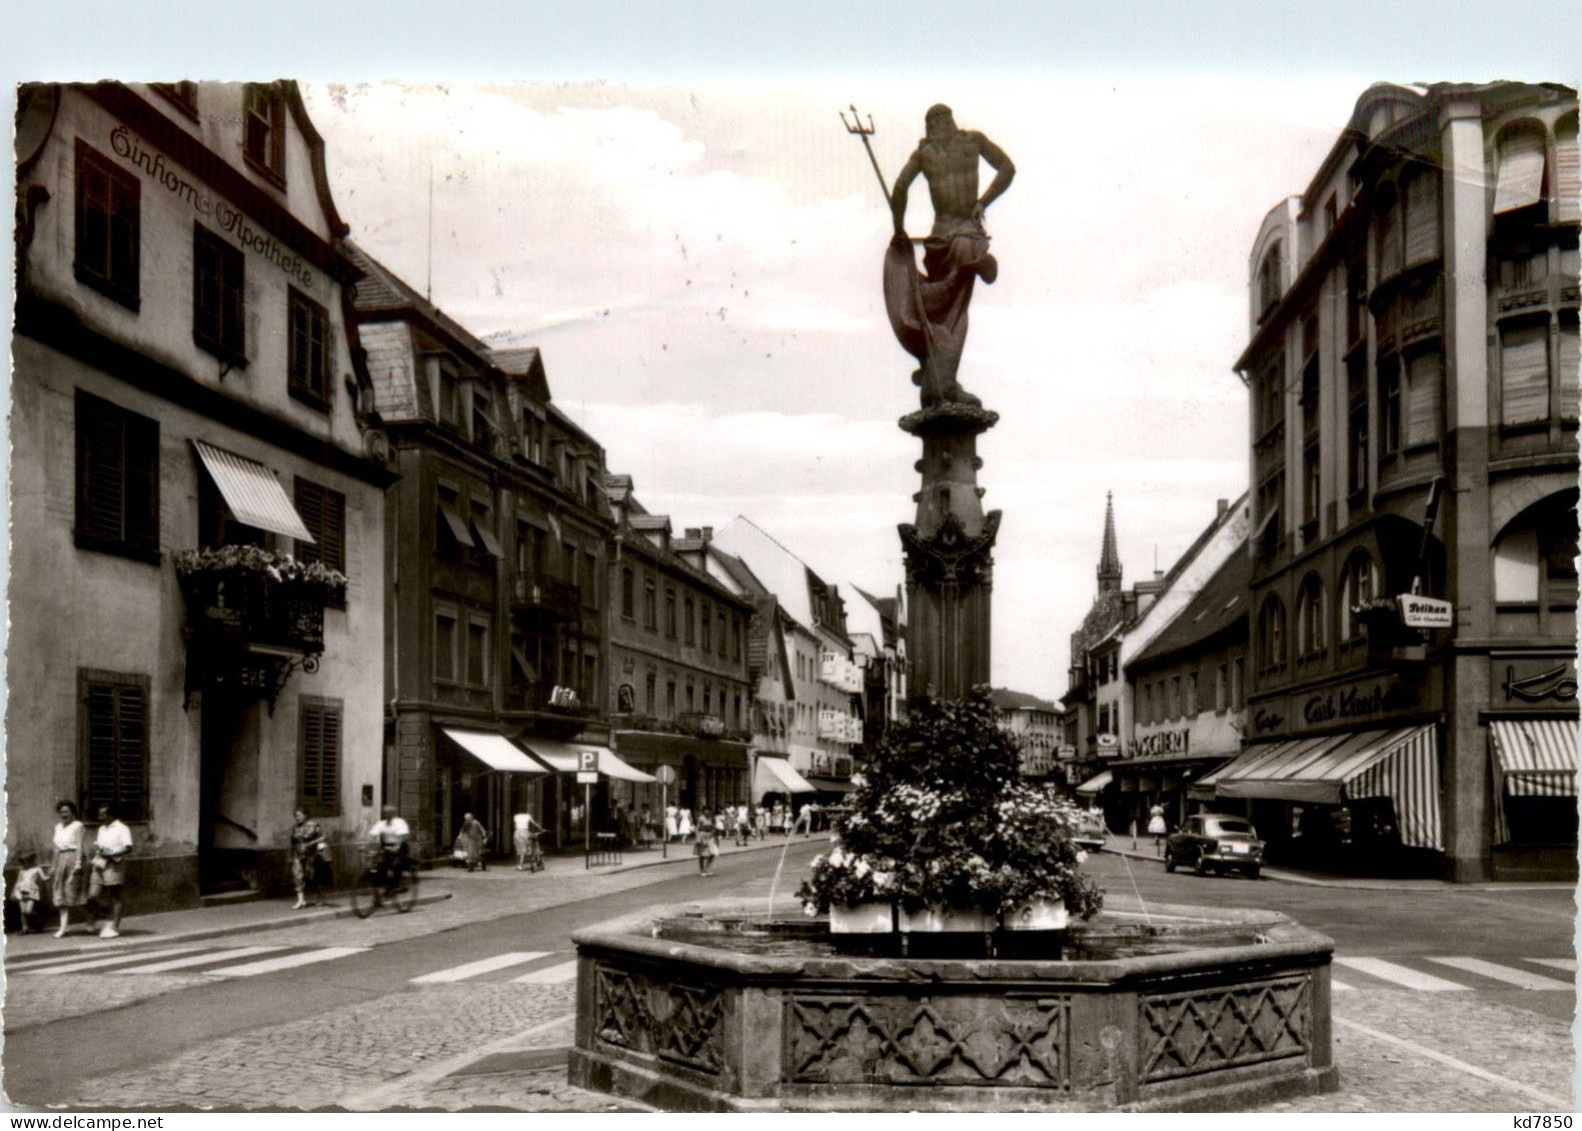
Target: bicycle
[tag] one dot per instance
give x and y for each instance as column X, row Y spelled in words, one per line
column 533, row 859
column 374, row 888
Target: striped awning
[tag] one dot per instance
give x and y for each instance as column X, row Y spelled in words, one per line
column 566, row 758
column 1401, row 764
column 493, row 750
column 254, row 496
column 1096, row 783
column 776, row 775
column 1532, row 758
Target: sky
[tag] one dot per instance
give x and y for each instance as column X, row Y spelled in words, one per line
column 676, row 217
column 700, row 265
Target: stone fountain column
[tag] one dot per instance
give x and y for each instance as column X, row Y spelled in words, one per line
column 949, row 553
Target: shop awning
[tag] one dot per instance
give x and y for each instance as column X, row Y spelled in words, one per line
column 493, row 750
column 566, row 758
column 1096, row 783
column 254, row 496
column 1532, row 758
column 830, row 785
column 776, row 775
column 1401, row 764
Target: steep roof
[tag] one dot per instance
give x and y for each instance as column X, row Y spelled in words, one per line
column 777, row 568
column 1218, row 607
column 382, row 291
column 1110, row 556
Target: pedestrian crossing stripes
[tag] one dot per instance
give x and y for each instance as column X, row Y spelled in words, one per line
column 1569, row 964
column 288, row 962
column 1401, row 975
column 1522, row 978
column 550, row 975
column 198, row 960
column 72, row 966
column 482, row 966
column 210, row 961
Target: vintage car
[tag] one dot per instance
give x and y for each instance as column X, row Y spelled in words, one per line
column 1215, row 842
column 1090, row 832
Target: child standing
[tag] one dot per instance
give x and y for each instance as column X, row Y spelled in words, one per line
column 28, row 891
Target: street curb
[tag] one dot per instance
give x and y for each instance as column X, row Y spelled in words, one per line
column 1281, row 876
column 280, row 923
column 689, row 858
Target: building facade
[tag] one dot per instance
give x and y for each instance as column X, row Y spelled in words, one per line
column 197, row 541
column 678, row 660
column 498, row 543
column 1036, row 725
column 1412, row 366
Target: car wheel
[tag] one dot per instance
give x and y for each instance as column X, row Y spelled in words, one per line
column 1252, row 873
column 1170, row 861
column 1200, row 866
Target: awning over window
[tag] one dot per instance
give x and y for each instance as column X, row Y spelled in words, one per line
column 1096, row 783
column 566, row 758
column 776, row 775
column 493, row 750
column 1532, row 758
column 1401, row 764
column 455, row 525
column 254, row 496
column 830, row 785
column 488, row 540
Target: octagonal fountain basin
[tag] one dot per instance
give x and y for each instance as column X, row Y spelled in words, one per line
column 719, row 1006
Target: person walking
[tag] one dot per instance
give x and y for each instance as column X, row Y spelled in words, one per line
column 524, row 831
column 473, row 838
column 704, row 848
column 307, row 839
column 28, row 891
column 670, row 823
column 744, row 826
column 721, row 824
column 108, row 881
column 684, row 824
column 68, row 870
column 1157, row 828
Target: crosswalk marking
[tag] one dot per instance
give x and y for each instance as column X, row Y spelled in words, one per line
column 1400, row 975
column 550, row 975
column 1567, row 964
column 482, row 966
column 68, row 966
column 1507, row 974
column 1336, row 987
column 200, row 959
column 287, row 962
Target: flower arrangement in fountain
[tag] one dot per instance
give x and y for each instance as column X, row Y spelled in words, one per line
column 941, row 818
column 282, row 568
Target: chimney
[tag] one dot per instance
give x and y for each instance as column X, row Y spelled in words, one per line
column 693, row 533
column 1223, row 505
column 708, row 533
column 1159, row 575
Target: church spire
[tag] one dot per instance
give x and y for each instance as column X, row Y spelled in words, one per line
column 1110, row 559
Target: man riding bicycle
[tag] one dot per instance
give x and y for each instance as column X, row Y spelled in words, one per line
column 389, row 837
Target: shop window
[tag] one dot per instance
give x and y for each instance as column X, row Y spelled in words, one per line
column 308, row 350
column 113, row 732
column 218, row 289
column 108, row 233
column 323, row 512
column 319, row 756
column 117, row 479
column 264, row 142
column 1524, row 373
column 1310, row 620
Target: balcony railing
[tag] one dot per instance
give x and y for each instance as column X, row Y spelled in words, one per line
column 547, row 697
column 252, row 607
column 543, row 598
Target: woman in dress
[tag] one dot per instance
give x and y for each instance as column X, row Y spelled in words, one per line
column 1157, row 828
column 670, row 823
column 704, row 847
column 306, row 838
column 684, row 824
column 473, row 838
column 68, row 873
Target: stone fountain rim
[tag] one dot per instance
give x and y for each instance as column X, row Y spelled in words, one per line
column 634, row 935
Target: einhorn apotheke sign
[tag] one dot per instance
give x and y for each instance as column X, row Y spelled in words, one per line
column 226, row 217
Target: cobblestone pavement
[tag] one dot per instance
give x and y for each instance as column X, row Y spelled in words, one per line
column 322, row 1060
column 34, row 1001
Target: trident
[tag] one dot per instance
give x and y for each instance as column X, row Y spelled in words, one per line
column 857, row 129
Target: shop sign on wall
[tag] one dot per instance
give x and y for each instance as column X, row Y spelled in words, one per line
column 1536, row 681
column 1357, row 702
column 1162, row 743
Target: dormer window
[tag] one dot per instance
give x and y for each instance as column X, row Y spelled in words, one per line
column 264, row 142
column 482, row 429
column 448, row 413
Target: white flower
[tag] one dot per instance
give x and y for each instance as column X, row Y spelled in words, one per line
column 810, row 910
column 1082, row 856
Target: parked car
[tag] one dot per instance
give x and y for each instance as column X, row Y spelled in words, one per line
column 1215, row 842
column 1090, row 832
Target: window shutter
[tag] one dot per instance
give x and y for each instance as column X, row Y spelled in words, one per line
column 333, row 536
column 310, row 506
column 99, row 778
column 1389, row 234
column 1569, row 361
column 102, row 472
column 1425, row 393
column 1422, row 218
column 320, row 758
column 1521, row 175
column 1568, row 179
column 132, row 735
column 1524, row 374
column 141, row 482
column 330, row 760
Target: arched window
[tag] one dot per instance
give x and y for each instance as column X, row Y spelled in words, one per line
column 1271, row 634
column 1269, row 278
column 1311, row 638
column 1359, row 582
column 1535, row 577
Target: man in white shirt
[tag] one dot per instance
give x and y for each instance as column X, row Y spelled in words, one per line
column 110, row 849
column 390, row 835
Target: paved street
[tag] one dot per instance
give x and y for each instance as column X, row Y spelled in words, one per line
column 1446, row 999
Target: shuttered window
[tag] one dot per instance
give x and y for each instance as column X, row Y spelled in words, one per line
column 1425, row 398
column 323, row 512
column 117, row 479
column 1524, row 374
column 1569, row 360
column 114, row 742
column 319, row 757
column 1388, row 233
column 308, row 350
column 1521, row 172
column 1422, row 218
column 108, row 227
column 1568, row 177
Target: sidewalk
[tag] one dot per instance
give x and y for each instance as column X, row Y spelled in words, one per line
column 1117, row 846
column 439, row 883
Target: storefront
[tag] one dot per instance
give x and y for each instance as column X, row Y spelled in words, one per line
column 710, row 773
column 578, row 809
column 485, row 774
column 1534, row 767
column 1164, row 781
